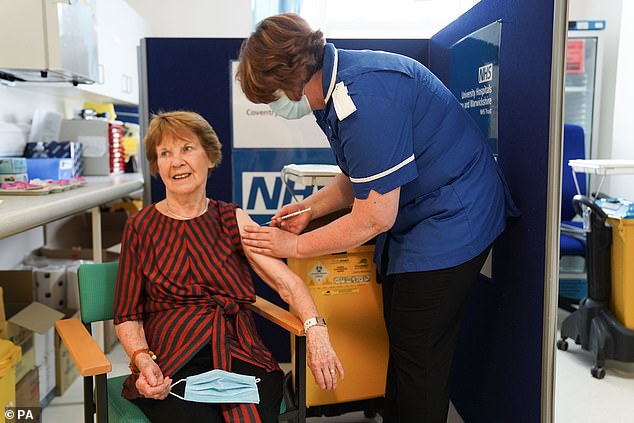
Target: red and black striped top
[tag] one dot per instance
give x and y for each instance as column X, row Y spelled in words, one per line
column 189, row 282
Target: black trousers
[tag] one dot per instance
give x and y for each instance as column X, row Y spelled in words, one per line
column 423, row 312
column 173, row 409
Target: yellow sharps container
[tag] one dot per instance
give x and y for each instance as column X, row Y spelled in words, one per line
column 348, row 296
column 622, row 297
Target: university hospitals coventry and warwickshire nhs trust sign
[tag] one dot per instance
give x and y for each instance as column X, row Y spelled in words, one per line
column 474, row 78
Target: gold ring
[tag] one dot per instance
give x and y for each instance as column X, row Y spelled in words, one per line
column 333, row 371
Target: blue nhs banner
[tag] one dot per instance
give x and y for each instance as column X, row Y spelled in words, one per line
column 265, row 192
column 257, row 182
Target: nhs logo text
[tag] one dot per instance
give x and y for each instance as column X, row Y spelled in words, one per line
column 485, row 73
column 265, row 193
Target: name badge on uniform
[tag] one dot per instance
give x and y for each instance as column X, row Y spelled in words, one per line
column 344, row 106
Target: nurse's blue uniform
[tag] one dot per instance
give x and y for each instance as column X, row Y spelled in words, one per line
column 391, row 123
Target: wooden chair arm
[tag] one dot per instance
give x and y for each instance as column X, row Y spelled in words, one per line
column 85, row 352
column 277, row 315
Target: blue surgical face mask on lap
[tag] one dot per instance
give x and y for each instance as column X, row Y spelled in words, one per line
column 289, row 109
column 219, row 386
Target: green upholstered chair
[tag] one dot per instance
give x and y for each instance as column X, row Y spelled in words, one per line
column 96, row 292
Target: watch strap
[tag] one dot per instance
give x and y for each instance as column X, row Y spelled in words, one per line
column 314, row 321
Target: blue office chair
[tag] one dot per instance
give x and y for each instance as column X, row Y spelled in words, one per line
column 572, row 240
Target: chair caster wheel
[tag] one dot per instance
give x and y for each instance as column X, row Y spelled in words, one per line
column 598, row 372
column 562, row 345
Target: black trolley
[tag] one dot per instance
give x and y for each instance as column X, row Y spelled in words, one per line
column 592, row 325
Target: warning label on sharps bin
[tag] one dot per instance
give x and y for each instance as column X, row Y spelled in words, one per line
column 318, row 273
column 341, row 274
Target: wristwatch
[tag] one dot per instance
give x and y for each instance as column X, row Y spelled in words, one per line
column 314, row 321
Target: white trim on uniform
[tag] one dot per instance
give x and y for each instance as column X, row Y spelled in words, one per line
column 333, row 77
column 384, row 173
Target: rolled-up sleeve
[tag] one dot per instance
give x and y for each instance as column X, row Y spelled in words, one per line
column 129, row 293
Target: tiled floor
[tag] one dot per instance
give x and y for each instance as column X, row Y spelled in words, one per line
column 579, row 397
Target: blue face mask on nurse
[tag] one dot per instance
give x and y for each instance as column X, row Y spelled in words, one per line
column 289, row 109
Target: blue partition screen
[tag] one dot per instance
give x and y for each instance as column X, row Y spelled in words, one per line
column 498, row 363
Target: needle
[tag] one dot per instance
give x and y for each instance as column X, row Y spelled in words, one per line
column 289, row 215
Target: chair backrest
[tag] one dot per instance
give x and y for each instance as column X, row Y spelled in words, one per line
column 96, row 291
column 574, row 148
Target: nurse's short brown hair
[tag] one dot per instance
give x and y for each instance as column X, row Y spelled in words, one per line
column 175, row 124
column 282, row 53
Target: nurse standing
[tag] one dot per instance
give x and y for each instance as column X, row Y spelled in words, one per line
column 420, row 178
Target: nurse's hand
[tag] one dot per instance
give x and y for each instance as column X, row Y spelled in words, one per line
column 270, row 241
column 295, row 224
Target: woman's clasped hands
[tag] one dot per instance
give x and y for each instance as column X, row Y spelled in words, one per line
column 151, row 383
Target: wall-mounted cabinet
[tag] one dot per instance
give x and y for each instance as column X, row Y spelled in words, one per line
column 48, row 41
column 119, row 31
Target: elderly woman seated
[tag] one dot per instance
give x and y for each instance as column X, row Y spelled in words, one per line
column 183, row 286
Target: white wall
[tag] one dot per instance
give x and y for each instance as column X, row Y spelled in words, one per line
column 18, row 103
column 196, row 18
column 623, row 132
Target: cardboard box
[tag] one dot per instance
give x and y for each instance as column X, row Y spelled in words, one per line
column 8, row 330
column 55, row 367
column 28, row 358
column 23, row 311
column 101, row 144
column 40, row 319
column 72, row 237
column 65, row 369
column 46, row 375
column 44, row 345
column 12, row 165
column 13, row 333
column 18, row 290
column 49, row 168
column 72, row 286
column 27, row 390
column 75, row 253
